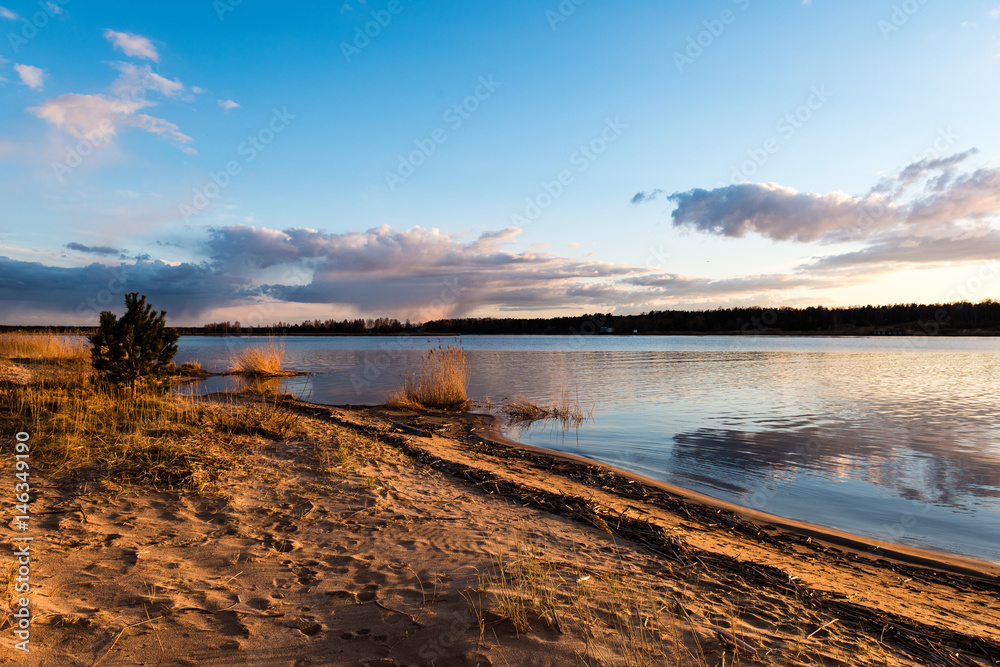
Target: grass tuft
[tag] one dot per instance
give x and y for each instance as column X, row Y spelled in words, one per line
column 262, row 359
column 439, row 383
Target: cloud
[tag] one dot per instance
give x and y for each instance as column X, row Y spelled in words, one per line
column 134, row 81
column 642, row 197
column 902, row 251
column 132, row 45
column 417, row 273
column 8, row 14
column 771, row 210
column 31, row 76
column 197, row 90
column 676, row 285
column 78, row 294
column 54, row 8
column 228, row 104
column 97, row 118
column 927, row 195
column 97, row 250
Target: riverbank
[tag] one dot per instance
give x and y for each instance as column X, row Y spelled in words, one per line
column 377, row 537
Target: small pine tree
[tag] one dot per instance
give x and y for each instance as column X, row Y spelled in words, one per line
column 136, row 348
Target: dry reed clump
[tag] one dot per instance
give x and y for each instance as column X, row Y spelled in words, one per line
column 45, row 347
column 520, row 411
column 261, row 359
column 438, row 383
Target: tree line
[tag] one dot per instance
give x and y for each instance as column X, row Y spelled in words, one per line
column 895, row 319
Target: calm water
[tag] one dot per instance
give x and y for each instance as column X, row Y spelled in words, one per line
column 893, row 438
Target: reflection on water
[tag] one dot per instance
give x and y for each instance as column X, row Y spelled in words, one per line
column 895, row 439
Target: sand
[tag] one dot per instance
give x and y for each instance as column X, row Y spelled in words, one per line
column 442, row 543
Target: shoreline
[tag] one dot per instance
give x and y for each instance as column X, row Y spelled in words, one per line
column 950, row 561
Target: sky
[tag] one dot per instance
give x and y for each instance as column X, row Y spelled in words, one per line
column 242, row 160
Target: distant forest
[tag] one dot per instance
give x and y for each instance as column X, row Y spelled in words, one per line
column 899, row 319
column 961, row 318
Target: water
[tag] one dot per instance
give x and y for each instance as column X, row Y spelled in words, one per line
column 892, row 438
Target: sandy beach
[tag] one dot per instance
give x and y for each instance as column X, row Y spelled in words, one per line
column 391, row 538
column 376, row 537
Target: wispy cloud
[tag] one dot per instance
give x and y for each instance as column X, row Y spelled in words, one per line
column 97, row 117
column 31, row 76
column 132, row 45
column 134, row 80
column 8, row 14
column 228, row 104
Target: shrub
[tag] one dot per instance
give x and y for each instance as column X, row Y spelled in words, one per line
column 138, row 348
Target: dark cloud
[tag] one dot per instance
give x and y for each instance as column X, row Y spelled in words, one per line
column 97, row 249
column 79, row 293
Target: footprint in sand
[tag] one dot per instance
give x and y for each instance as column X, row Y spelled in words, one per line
column 281, row 544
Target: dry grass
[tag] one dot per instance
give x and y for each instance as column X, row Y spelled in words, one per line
column 439, row 382
column 47, row 347
column 260, row 359
column 623, row 616
column 620, row 620
column 117, row 436
column 265, row 417
column 520, row 411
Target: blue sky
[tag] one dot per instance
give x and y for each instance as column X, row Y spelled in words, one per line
column 235, row 160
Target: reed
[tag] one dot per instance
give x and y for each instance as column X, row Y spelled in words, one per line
column 439, row 382
column 260, row 359
column 48, row 347
column 519, row 411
